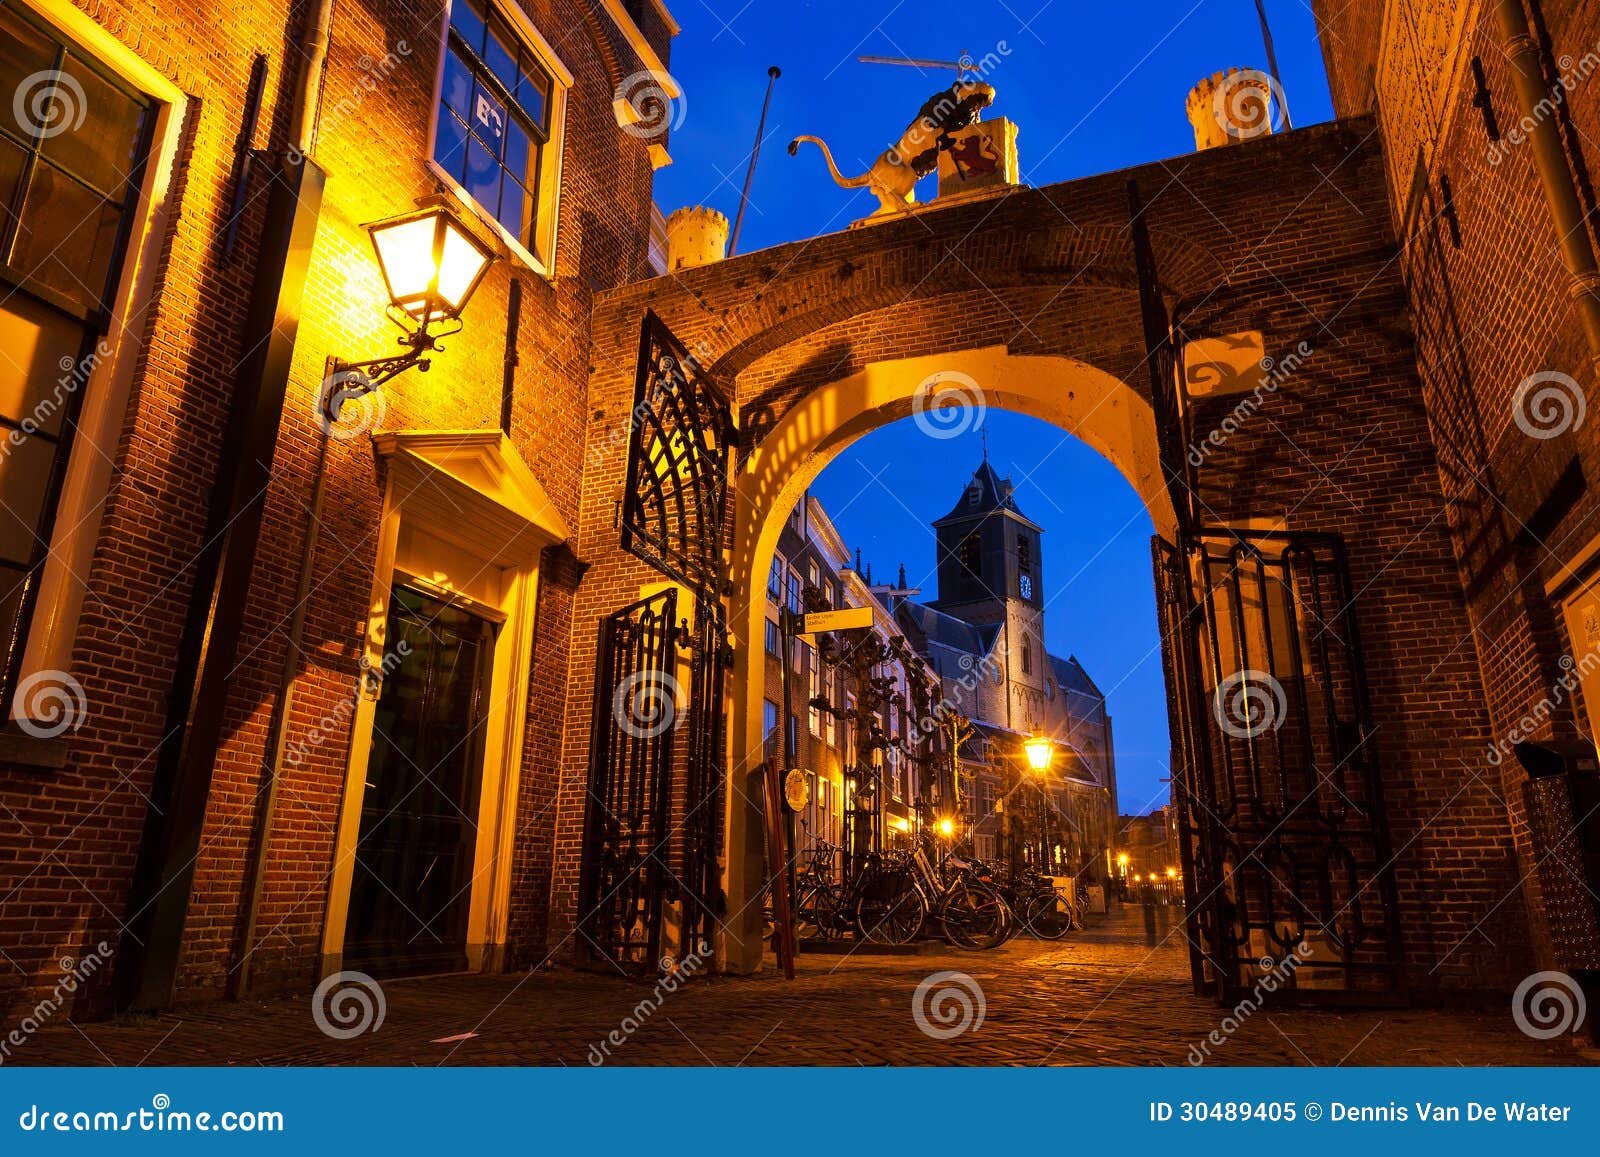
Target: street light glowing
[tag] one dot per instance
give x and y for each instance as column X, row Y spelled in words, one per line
column 430, row 262
column 1172, row 873
column 946, row 826
column 1122, row 860
column 1039, row 751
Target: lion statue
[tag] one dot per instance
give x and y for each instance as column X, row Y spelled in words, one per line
column 893, row 176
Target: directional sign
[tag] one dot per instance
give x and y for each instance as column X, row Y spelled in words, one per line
column 849, row 619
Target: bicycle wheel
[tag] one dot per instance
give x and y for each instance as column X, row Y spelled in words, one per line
column 891, row 916
column 974, row 916
column 1048, row 915
column 812, row 915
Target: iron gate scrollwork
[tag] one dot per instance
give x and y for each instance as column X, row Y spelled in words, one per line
column 660, row 855
column 1285, row 845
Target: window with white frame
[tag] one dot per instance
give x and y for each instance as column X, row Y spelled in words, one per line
column 497, row 133
column 73, row 149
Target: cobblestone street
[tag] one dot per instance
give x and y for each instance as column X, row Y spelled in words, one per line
column 1105, row 996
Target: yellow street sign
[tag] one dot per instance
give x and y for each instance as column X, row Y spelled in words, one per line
column 849, row 619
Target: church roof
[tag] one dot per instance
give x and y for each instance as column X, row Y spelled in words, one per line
column 925, row 625
column 1071, row 676
column 986, row 493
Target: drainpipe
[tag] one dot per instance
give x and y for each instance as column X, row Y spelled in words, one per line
column 1535, row 102
column 152, row 941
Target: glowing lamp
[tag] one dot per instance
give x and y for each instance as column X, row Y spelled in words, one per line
column 946, row 826
column 430, row 263
column 1039, row 751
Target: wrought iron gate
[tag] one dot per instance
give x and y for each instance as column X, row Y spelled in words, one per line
column 660, row 852
column 625, row 865
column 1285, row 847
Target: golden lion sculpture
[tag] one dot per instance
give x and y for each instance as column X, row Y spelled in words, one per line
column 893, row 176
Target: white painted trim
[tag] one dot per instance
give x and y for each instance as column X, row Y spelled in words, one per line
column 87, row 481
column 641, row 47
column 479, row 516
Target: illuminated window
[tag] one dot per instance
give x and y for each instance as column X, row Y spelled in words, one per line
column 502, row 95
column 72, row 159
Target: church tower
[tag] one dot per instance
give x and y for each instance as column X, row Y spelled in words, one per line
column 990, row 573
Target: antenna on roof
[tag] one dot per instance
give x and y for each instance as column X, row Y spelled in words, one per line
column 983, row 432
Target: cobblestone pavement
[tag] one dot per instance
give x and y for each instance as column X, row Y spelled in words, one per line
column 1105, row 996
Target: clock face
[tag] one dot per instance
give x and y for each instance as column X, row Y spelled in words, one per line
column 1026, row 586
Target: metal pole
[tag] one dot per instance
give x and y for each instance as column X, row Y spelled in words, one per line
column 749, row 174
column 1272, row 62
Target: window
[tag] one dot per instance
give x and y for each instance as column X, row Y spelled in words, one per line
column 794, row 591
column 1024, row 553
column 774, row 639
column 498, row 123
column 1027, row 655
column 815, row 685
column 769, row 717
column 970, row 555
column 72, row 159
column 775, row 579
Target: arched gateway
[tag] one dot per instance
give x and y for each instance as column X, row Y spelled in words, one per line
column 1253, row 382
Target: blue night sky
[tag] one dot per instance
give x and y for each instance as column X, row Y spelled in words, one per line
column 1092, row 87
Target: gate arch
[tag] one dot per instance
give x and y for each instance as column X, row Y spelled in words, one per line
column 1081, row 399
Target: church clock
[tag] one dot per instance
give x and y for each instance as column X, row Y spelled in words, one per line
column 1025, row 585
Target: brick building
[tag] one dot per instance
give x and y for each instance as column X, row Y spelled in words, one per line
column 1488, row 123
column 197, row 674
column 245, row 634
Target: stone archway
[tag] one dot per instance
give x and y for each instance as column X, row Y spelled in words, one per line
column 1081, row 399
column 819, row 341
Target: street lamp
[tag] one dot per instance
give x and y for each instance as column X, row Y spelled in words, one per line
column 431, row 264
column 1039, row 750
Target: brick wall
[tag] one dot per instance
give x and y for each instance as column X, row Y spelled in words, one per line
column 1489, row 294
